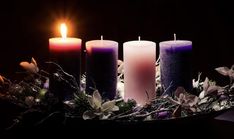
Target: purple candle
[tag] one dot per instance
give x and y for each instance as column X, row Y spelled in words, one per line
column 175, row 64
column 101, row 67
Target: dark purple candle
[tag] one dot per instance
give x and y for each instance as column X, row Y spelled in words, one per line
column 101, row 67
column 175, row 64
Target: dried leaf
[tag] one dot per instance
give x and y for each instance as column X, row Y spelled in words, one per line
column 206, row 84
column 179, row 91
column 30, row 67
column 97, row 99
column 216, row 107
column 193, row 109
column 1, row 80
column 33, row 61
column 203, row 100
column 177, row 111
column 231, row 73
column 191, row 100
column 88, row 115
column 212, row 89
column 223, row 70
column 202, row 94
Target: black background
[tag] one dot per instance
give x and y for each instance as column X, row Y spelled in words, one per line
column 26, row 27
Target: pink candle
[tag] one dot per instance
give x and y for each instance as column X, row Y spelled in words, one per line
column 139, row 71
column 67, row 53
column 64, row 44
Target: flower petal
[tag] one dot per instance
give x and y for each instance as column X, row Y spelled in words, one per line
column 202, row 94
column 1, row 80
column 120, row 62
column 206, row 84
column 29, row 67
column 90, row 100
column 223, row 70
column 34, row 61
column 212, row 89
column 97, row 99
column 115, row 108
column 88, row 115
column 179, row 91
column 108, row 106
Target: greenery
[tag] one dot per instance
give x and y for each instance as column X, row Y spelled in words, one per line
column 42, row 93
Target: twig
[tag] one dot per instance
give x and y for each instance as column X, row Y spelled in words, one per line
column 155, row 111
column 15, row 122
column 47, row 117
column 73, row 79
column 165, row 92
column 157, row 62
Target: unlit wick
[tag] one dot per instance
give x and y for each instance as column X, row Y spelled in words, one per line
column 174, row 37
column 101, row 37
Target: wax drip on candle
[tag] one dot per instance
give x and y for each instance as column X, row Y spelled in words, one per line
column 174, row 37
column 63, row 30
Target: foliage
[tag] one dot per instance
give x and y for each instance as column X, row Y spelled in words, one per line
column 45, row 91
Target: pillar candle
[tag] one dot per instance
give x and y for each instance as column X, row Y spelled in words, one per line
column 101, row 67
column 175, row 64
column 66, row 51
column 139, row 71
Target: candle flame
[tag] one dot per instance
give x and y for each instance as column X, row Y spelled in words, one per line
column 63, row 30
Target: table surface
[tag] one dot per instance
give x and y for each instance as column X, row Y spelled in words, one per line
column 218, row 127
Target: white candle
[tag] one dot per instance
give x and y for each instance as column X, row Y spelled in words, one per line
column 139, row 70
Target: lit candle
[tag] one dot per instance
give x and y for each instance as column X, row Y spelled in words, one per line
column 175, row 64
column 101, row 67
column 139, row 70
column 66, row 52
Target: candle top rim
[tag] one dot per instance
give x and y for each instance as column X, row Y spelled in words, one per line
column 69, row 39
column 176, row 43
column 101, row 43
column 136, row 43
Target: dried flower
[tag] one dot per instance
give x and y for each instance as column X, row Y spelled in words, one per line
column 30, row 67
column 1, row 80
column 120, row 67
column 103, row 110
column 226, row 71
column 184, row 98
column 208, row 87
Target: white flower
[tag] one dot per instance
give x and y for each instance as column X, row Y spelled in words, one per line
column 120, row 88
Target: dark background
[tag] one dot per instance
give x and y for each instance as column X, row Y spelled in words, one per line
column 26, row 27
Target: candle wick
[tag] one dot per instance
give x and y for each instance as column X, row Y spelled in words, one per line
column 174, row 37
column 101, row 37
column 139, row 38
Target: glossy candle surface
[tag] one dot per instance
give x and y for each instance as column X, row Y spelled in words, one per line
column 175, row 64
column 101, row 67
column 139, row 71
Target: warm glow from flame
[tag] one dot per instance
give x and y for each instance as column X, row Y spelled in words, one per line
column 63, row 30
